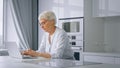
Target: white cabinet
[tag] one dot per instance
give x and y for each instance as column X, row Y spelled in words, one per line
column 105, row 8
column 110, row 58
column 99, row 59
column 71, row 8
column 63, row 8
column 117, row 60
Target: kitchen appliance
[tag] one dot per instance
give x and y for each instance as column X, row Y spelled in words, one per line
column 74, row 29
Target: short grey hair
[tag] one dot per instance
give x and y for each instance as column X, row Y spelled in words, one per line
column 48, row 15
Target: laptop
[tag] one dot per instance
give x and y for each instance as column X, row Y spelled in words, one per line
column 14, row 51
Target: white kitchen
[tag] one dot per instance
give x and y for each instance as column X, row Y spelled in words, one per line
column 92, row 27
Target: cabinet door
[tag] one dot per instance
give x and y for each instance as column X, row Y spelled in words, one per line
column 99, row 59
column 105, row 8
column 71, row 8
column 117, row 60
column 113, row 7
column 98, row 7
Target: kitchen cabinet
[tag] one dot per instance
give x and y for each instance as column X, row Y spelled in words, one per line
column 71, row 8
column 99, row 59
column 117, row 60
column 109, row 58
column 63, row 8
column 106, row 8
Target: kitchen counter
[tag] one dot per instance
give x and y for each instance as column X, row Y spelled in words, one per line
column 7, row 62
column 3, row 52
column 109, row 58
column 57, row 63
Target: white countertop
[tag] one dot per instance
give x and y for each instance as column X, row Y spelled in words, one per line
column 102, row 54
column 7, row 62
column 58, row 63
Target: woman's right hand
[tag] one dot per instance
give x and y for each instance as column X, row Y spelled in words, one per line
column 26, row 52
column 30, row 52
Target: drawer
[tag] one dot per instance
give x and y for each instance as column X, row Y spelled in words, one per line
column 99, row 59
column 117, row 60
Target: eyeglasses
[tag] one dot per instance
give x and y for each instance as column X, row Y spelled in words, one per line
column 42, row 23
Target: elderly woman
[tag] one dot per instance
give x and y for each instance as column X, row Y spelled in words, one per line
column 55, row 43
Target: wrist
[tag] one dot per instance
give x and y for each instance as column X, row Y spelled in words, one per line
column 38, row 54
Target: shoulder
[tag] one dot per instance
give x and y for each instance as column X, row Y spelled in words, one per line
column 60, row 32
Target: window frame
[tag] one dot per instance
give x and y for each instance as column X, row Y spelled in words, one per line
column 2, row 24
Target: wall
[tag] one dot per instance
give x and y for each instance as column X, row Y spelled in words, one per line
column 93, row 30
column 112, row 34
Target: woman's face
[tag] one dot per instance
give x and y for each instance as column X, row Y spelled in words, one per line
column 46, row 25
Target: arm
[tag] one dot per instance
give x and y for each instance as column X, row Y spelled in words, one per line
column 60, row 46
column 40, row 52
column 36, row 54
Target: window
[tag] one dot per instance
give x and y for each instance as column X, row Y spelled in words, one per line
column 1, row 21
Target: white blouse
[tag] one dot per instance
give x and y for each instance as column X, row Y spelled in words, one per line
column 59, row 47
